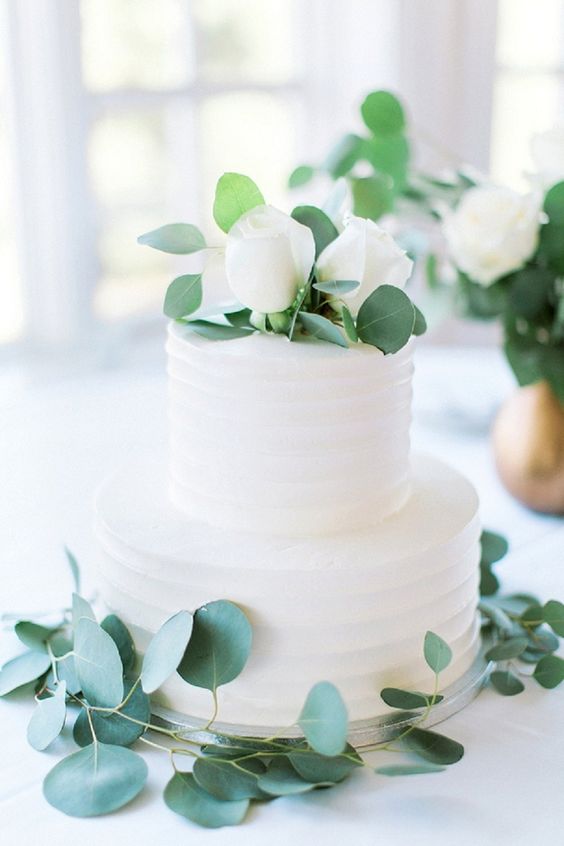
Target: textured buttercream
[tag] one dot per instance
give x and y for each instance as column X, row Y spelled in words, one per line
column 294, row 439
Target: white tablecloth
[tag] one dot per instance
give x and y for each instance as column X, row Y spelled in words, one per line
column 60, row 437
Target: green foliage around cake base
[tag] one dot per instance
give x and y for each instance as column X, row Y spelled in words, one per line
column 84, row 669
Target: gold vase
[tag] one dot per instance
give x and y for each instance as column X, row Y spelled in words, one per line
column 528, row 443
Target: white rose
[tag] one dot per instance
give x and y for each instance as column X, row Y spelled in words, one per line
column 492, row 232
column 547, row 149
column 365, row 253
column 268, row 257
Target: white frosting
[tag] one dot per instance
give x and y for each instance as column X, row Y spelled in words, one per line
column 293, row 439
column 352, row 608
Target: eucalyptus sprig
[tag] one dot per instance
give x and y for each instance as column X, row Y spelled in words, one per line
column 79, row 665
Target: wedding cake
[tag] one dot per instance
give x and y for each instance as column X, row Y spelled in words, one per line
column 289, row 488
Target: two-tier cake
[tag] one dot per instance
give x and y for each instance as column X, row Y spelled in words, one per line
column 289, row 489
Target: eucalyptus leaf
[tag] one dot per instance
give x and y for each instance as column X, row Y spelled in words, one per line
column 433, row 747
column 420, row 325
column 218, row 331
column 344, row 155
column 66, row 667
column 48, row 719
column 32, row 635
column 349, row 325
column 372, row 196
column 489, row 583
column 98, row 664
column 301, row 175
column 318, row 769
column 23, row 669
column 81, row 608
column 164, row 652
column 230, row 780
column 543, row 641
column 219, row 647
column 549, row 672
column 323, row 719
column 407, row 699
column 408, row 769
column 74, row 568
column 112, row 728
column 493, row 546
column 386, row 319
column 507, row 683
column 383, row 113
column 337, row 287
column 506, row 649
column 184, row 796
column 321, row 328
column 390, row 156
column 95, row 780
column 533, row 615
column 177, row 238
column 183, row 296
column 498, row 616
column 554, row 204
column 553, row 614
column 240, row 318
column 437, row 652
column 281, row 779
column 323, row 229
column 121, row 636
column 235, row 194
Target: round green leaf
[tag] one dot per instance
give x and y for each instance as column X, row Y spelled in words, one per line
column 438, row 653
column 121, row 636
column 433, row 747
column 321, row 328
column 183, row 296
column 336, row 287
column 390, row 156
column 372, row 196
column 177, row 238
column 96, row 780
column 165, row 651
column 489, row 583
column 323, row 229
column 549, row 672
column 383, row 113
column 219, row 647
column 324, row 719
column 505, row 649
column 386, row 319
column 301, row 175
column 231, row 779
column 344, row 155
column 66, row 668
column 218, row 331
column 349, row 325
column 113, row 728
column 506, row 683
column 420, row 325
column 81, row 608
column 318, row 769
column 281, row 779
column 48, row 719
column 98, row 665
column 554, row 204
column 553, row 614
column 184, row 796
column 235, row 194
column 32, row 635
column 408, row 769
column 22, row 670
column 494, row 547
column 407, row 699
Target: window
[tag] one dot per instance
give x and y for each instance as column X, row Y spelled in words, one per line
column 528, row 84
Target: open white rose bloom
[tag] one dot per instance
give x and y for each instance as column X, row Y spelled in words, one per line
column 366, row 253
column 492, row 232
column 268, row 258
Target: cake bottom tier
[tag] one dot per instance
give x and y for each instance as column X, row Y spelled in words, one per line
column 351, row 608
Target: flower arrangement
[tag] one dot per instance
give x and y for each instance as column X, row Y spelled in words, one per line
column 90, row 672
column 296, row 275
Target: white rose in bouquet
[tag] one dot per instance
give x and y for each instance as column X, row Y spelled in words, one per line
column 365, row 253
column 492, row 232
column 547, row 149
column 268, row 258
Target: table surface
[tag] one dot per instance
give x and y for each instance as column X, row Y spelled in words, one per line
column 61, row 436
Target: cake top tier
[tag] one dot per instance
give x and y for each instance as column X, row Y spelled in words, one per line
column 287, row 438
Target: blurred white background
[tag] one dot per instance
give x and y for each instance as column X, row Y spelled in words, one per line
column 119, row 115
